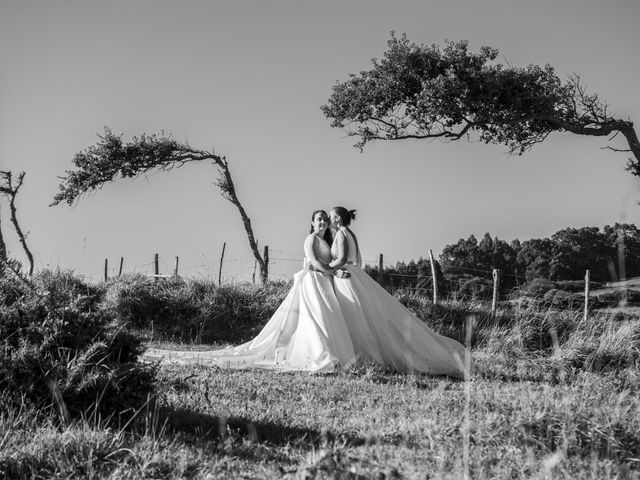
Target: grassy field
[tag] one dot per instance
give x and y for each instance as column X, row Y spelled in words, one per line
column 550, row 396
column 361, row 423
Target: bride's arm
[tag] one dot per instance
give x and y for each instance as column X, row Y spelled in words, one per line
column 310, row 252
column 342, row 250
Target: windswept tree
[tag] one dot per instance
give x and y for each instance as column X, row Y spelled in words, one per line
column 111, row 158
column 10, row 189
column 421, row 92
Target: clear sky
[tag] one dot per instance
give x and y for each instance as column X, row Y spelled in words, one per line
column 247, row 78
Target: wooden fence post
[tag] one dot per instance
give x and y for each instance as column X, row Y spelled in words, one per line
column 156, row 266
column 380, row 267
column 224, row 246
column 255, row 267
column 120, row 269
column 265, row 256
column 496, row 287
column 105, row 269
column 622, row 266
column 175, row 272
column 434, row 279
column 586, row 294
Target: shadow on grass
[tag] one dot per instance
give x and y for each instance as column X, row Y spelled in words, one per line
column 253, row 441
column 196, row 427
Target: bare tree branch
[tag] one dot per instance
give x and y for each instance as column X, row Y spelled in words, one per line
column 12, row 191
column 616, row 149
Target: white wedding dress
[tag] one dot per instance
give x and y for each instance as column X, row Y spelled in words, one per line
column 306, row 333
column 384, row 331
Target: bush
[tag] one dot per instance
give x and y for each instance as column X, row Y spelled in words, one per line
column 576, row 286
column 195, row 310
column 476, row 288
column 539, row 286
column 451, row 318
column 145, row 302
column 541, row 330
column 617, row 297
column 601, row 344
column 57, row 336
column 562, row 299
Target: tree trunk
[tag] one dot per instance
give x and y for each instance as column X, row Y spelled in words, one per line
column 13, row 192
column 603, row 128
column 230, row 191
column 632, row 139
column 14, row 220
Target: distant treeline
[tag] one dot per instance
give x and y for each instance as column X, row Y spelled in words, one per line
column 465, row 267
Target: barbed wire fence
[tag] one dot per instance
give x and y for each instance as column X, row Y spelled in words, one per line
column 282, row 265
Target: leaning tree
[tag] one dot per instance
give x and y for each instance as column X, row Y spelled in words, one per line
column 111, row 158
column 10, row 189
column 421, row 92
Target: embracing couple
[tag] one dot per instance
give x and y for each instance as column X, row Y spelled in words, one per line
column 334, row 316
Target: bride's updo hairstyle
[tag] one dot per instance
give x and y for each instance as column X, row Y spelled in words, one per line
column 346, row 216
column 327, row 233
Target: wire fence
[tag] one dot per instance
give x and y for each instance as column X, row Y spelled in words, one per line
column 282, row 265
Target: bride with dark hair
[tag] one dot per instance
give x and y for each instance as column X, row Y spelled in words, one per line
column 333, row 315
column 382, row 329
column 306, row 333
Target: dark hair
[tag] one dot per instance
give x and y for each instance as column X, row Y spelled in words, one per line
column 345, row 215
column 327, row 233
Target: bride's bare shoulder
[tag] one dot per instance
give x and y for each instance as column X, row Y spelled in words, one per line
column 310, row 239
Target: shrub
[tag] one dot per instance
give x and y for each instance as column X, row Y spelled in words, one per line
column 450, row 318
column 562, row 299
column 539, row 286
column 541, row 329
column 195, row 310
column 144, row 302
column 57, row 336
column 576, row 286
column 617, row 297
column 476, row 288
column 601, row 344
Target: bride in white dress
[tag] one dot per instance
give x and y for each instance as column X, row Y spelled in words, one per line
column 306, row 333
column 382, row 329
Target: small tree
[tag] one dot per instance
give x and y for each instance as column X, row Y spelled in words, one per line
column 424, row 92
column 110, row 158
column 8, row 188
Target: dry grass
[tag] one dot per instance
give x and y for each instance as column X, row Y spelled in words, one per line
column 362, row 423
column 551, row 396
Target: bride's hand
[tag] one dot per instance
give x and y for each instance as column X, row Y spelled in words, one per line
column 342, row 274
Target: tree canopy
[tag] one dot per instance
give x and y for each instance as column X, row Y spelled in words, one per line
column 421, row 92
